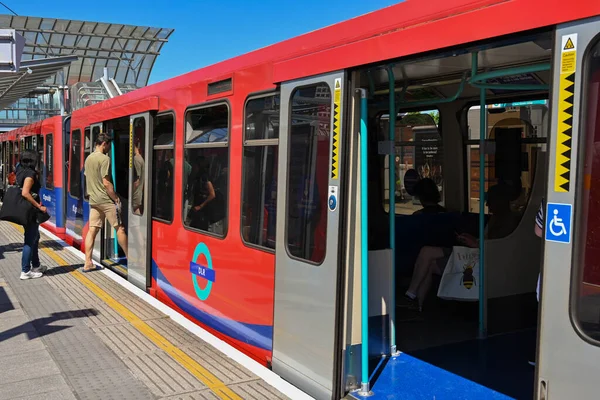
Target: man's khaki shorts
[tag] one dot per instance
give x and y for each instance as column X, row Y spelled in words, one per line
column 99, row 212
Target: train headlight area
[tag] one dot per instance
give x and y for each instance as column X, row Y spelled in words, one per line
column 403, row 206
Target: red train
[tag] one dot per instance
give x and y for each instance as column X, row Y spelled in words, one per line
column 268, row 264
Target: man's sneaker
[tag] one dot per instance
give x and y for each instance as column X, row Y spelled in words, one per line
column 41, row 269
column 31, row 275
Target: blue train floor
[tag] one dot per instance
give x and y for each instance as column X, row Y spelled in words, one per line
column 494, row 368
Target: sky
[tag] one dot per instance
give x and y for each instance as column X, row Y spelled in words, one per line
column 206, row 31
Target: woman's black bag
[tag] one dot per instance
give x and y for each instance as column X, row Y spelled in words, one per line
column 41, row 216
column 16, row 208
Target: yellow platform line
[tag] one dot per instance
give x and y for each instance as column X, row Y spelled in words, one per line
column 205, row 376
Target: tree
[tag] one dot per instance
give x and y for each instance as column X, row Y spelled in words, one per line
column 417, row 118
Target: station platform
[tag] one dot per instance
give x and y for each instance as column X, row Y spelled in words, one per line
column 74, row 335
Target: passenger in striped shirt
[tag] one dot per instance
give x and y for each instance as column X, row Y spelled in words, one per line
column 539, row 230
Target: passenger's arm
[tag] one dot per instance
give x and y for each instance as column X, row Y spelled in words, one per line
column 106, row 181
column 110, row 189
column 26, row 193
column 468, row 240
column 211, row 195
column 138, row 172
column 538, row 231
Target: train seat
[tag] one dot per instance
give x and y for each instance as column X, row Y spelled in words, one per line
column 513, row 263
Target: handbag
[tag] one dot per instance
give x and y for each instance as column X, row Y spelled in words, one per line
column 15, row 207
column 41, row 216
column 460, row 280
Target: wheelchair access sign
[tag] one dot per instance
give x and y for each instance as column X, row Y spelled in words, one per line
column 558, row 222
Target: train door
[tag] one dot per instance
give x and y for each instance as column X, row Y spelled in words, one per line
column 119, row 129
column 307, row 263
column 138, row 232
column 569, row 339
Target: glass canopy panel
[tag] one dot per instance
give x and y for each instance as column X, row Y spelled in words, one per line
column 51, row 37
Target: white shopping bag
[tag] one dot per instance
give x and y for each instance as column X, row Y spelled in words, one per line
column 460, row 280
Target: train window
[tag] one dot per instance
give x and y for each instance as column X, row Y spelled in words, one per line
column 308, row 172
column 163, row 168
column 75, row 165
column 259, row 165
column 515, row 143
column 206, row 166
column 418, row 147
column 139, row 165
column 86, row 152
column 49, row 165
column 587, row 290
column 95, row 133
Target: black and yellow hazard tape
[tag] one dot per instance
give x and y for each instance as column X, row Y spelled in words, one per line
column 335, row 144
column 566, row 96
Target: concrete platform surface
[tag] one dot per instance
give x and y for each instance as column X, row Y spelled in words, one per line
column 71, row 335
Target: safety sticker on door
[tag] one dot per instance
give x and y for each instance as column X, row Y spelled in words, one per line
column 558, row 222
column 566, row 99
column 335, row 142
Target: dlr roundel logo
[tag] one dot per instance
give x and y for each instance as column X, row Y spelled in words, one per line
column 204, row 272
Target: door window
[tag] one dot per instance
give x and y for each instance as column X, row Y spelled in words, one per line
column 587, row 290
column 308, row 172
column 49, row 165
column 75, row 165
column 138, row 165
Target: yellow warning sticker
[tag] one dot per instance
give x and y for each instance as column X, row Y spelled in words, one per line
column 335, row 143
column 569, row 44
column 564, row 123
column 568, row 57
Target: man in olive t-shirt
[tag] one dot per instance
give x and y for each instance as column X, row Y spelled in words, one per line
column 104, row 202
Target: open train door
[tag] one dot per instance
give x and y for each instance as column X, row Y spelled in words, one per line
column 308, row 229
column 139, row 232
column 569, row 339
column 90, row 147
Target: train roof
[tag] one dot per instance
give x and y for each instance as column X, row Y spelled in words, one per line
column 393, row 32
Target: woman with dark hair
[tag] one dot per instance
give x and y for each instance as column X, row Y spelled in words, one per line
column 28, row 181
column 429, row 196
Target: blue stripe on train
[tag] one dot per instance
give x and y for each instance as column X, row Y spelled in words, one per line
column 260, row 336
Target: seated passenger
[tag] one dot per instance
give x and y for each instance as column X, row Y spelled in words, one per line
column 429, row 196
column 202, row 194
column 432, row 260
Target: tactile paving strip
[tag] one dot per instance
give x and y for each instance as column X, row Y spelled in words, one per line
column 109, row 358
column 89, row 367
column 256, row 390
column 162, row 375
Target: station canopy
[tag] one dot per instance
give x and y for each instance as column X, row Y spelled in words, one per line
column 127, row 51
column 31, row 75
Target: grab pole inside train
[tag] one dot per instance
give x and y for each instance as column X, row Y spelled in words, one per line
column 482, row 331
column 112, row 166
column 392, row 213
column 364, row 244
